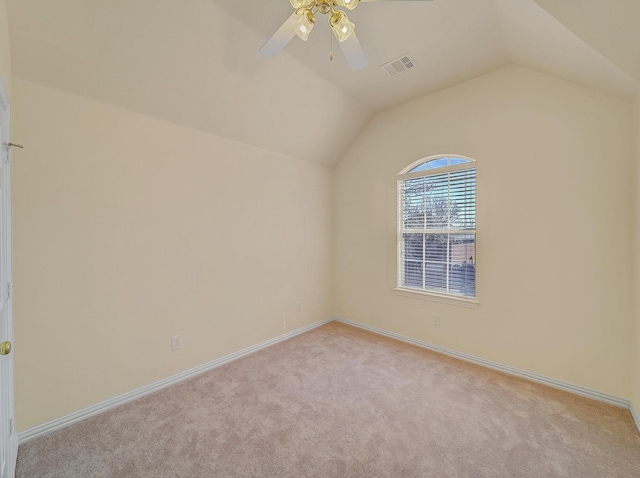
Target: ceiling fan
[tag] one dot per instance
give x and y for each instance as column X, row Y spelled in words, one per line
column 302, row 20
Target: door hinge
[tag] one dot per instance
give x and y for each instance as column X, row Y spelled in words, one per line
column 10, row 426
column 7, row 159
column 8, row 290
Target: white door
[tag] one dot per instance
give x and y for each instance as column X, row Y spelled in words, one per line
column 8, row 440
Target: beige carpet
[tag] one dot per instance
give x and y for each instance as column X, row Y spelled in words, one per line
column 341, row 402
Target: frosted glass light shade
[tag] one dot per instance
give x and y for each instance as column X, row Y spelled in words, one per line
column 303, row 3
column 304, row 25
column 341, row 25
column 350, row 4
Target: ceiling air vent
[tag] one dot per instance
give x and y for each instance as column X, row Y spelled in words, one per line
column 399, row 65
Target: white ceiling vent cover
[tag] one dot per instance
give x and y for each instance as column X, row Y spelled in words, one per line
column 399, row 65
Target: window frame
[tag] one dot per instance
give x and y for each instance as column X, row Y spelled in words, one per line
column 405, row 174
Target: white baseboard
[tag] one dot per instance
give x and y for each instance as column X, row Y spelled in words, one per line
column 534, row 377
column 101, row 407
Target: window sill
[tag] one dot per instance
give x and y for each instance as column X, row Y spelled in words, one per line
column 445, row 299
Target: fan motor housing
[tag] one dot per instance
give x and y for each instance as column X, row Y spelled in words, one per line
column 325, row 7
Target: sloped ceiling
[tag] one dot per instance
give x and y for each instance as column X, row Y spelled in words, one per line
column 612, row 27
column 185, row 61
column 196, row 62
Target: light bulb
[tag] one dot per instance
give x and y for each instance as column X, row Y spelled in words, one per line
column 341, row 25
column 304, row 24
column 350, row 4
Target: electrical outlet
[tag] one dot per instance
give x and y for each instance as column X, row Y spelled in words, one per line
column 299, row 306
column 436, row 320
column 176, row 342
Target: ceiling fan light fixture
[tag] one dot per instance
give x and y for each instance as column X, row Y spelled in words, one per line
column 304, row 24
column 300, row 3
column 350, row 4
column 341, row 25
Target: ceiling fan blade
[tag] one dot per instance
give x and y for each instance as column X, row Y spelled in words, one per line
column 280, row 38
column 353, row 52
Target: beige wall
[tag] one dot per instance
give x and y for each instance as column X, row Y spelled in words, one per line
column 129, row 230
column 5, row 53
column 554, row 239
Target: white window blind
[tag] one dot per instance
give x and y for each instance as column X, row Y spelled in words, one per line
column 437, row 227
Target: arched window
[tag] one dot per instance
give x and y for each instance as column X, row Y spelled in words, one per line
column 437, row 226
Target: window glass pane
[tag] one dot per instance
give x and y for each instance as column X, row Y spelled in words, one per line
column 455, row 161
column 436, row 276
column 420, row 167
column 413, row 207
column 412, row 274
column 436, row 262
column 437, row 201
column 413, row 247
column 462, row 269
column 438, row 163
column 436, row 247
column 413, row 260
column 463, row 199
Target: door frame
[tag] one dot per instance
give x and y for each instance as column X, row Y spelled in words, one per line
column 5, row 288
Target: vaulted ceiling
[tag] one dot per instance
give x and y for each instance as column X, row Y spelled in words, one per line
column 196, row 62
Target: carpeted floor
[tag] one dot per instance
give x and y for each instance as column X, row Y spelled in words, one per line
column 341, row 402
